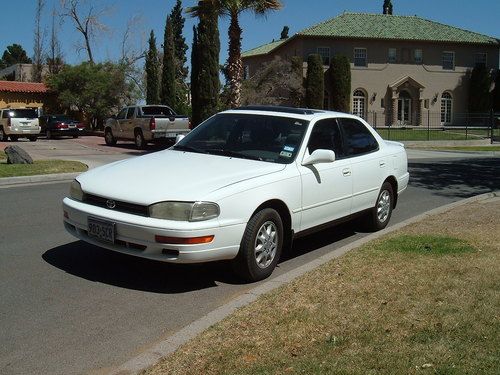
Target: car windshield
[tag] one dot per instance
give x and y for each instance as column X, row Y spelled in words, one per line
column 266, row 138
column 23, row 113
column 62, row 118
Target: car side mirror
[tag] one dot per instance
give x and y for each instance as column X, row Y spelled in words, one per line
column 319, row 156
column 172, row 118
column 179, row 138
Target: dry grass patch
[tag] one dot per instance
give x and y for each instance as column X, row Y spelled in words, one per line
column 423, row 300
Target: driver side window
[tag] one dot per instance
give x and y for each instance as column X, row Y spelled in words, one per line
column 121, row 114
column 326, row 135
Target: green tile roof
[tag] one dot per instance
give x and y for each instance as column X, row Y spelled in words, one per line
column 262, row 50
column 381, row 26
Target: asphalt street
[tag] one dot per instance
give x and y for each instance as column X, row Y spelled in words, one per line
column 67, row 307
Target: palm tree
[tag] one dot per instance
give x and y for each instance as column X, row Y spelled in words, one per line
column 233, row 8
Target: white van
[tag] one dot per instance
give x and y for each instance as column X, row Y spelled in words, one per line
column 18, row 123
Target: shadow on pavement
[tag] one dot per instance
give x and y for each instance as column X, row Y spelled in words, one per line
column 459, row 178
column 105, row 266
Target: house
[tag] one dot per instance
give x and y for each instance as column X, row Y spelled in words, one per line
column 24, row 94
column 405, row 70
column 21, row 72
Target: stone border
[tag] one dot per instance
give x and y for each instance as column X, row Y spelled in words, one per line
column 35, row 179
column 151, row 356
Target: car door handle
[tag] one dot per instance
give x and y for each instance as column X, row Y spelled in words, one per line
column 346, row 172
column 382, row 163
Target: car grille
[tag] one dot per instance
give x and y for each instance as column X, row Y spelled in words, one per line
column 120, row 206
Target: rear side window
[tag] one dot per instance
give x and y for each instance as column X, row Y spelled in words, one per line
column 20, row 113
column 358, row 139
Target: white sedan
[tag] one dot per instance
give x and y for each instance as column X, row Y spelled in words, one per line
column 241, row 186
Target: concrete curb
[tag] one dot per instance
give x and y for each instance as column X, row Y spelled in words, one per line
column 45, row 178
column 172, row 343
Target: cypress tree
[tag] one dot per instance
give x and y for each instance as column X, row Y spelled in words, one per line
column 195, row 89
column 387, row 7
column 339, row 76
column 207, row 55
column 152, row 72
column 168, row 84
column 181, row 70
column 479, row 90
column 315, row 85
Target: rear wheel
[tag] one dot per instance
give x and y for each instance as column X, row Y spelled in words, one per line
column 381, row 214
column 109, row 138
column 75, row 136
column 139, row 140
column 33, row 138
column 14, row 138
column 260, row 247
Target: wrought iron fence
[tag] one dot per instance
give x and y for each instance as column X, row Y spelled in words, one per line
column 430, row 126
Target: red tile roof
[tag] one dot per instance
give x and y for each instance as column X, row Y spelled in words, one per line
column 13, row 86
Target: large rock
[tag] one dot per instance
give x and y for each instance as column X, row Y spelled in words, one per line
column 16, row 155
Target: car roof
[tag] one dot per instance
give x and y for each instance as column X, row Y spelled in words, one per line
column 292, row 112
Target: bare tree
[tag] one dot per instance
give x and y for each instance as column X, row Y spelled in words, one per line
column 54, row 56
column 38, row 43
column 86, row 18
column 133, row 49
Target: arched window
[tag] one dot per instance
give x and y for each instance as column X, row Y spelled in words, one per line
column 446, row 107
column 359, row 103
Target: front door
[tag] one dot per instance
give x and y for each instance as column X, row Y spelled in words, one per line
column 404, row 108
column 326, row 187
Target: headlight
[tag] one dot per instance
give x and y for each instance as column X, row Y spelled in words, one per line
column 184, row 211
column 75, row 191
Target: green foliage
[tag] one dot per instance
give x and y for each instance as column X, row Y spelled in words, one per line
column 479, row 90
column 14, row 54
column 152, row 72
column 205, row 85
column 339, row 77
column 96, row 90
column 496, row 93
column 315, row 85
column 168, row 82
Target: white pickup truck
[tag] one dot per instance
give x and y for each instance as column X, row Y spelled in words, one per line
column 145, row 123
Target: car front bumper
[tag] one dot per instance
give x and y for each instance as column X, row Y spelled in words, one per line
column 135, row 235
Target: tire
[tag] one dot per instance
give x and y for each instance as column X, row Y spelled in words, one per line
column 75, row 136
column 3, row 136
column 139, row 140
column 33, row 139
column 109, row 138
column 48, row 134
column 381, row 213
column 260, row 247
column 14, row 138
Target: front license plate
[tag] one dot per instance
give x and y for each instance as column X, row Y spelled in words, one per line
column 102, row 230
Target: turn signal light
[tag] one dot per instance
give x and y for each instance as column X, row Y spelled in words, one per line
column 184, row 240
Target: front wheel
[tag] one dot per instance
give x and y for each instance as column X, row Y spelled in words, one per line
column 33, row 138
column 381, row 214
column 260, row 247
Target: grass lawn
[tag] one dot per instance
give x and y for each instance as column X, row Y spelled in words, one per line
column 434, row 135
column 39, row 167
column 462, row 148
column 424, row 300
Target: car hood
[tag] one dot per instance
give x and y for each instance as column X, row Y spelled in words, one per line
column 171, row 175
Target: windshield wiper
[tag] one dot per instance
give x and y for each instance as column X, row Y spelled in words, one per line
column 233, row 154
column 189, row 149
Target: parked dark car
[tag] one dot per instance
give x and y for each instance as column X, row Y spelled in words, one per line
column 57, row 125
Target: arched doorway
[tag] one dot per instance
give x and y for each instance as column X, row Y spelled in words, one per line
column 359, row 103
column 404, row 108
column 446, row 108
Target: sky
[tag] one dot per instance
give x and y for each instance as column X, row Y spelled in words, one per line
column 18, row 16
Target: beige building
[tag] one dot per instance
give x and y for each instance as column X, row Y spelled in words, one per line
column 405, row 70
column 24, row 94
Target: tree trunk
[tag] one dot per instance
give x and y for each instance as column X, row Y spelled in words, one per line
column 234, row 63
